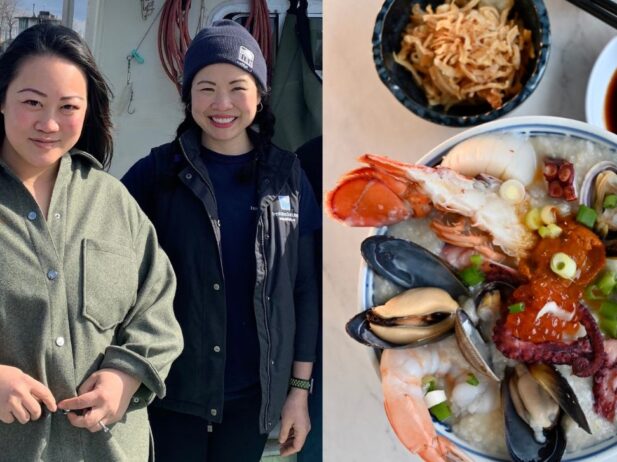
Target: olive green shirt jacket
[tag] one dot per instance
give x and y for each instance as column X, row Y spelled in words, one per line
column 86, row 289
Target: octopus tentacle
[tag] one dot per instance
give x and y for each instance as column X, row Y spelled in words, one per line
column 605, row 383
column 585, row 355
column 583, row 366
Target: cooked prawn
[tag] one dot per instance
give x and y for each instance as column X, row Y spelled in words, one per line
column 402, row 372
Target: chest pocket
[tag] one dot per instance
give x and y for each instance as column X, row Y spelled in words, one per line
column 109, row 282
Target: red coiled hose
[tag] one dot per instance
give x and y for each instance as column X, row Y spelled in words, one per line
column 258, row 24
column 174, row 37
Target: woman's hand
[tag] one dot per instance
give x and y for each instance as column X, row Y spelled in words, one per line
column 295, row 422
column 103, row 399
column 21, row 396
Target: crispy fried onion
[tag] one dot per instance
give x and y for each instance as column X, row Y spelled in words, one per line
column 465, row 54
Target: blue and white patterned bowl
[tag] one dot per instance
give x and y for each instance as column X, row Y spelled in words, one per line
column 605, row 451
column 391, row 21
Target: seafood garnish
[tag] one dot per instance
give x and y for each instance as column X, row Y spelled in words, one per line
column 473, row 346
column 521, row 438
column 410, row 265
column 412, row 318
column 600, row 182
column 560, row 390
column 512, row 157
column 389, row 191
column 402, row 372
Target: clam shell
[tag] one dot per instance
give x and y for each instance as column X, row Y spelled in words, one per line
column 587, row 192
column 473, row 346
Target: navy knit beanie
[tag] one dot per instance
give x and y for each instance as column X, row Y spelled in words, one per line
column 225, row 41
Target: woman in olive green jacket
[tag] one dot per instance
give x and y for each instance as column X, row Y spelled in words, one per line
column 87, row 331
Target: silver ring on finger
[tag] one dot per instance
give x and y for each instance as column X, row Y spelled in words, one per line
column 104, row 427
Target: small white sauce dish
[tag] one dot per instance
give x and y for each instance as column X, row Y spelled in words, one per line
column 597, row 86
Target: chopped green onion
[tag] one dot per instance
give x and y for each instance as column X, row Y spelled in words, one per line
column 471, row 276
column 610, row 201
column 593, row 292
column 429, row 383
column 563, row 265
column 550, row 231
column 516, row 308
column 472, row 380
column 586, row 216
column 609, row 326
column 548, row 214
column 532, row 219
column 476, row 260
column 608, row 309
column 607, row 283
column 441, row 411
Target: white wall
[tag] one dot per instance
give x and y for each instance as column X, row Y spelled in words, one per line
column 113, row 29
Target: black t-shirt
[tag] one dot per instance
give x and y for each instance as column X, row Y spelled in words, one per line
column 235, row 188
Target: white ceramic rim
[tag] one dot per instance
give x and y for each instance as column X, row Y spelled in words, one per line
column 532, row 125
column 597, row 85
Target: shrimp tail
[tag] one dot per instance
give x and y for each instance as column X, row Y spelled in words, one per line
column 409, row 416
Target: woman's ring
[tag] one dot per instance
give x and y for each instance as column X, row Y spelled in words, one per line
column 104, row 427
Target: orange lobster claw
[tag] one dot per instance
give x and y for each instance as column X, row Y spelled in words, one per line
column 377, row 195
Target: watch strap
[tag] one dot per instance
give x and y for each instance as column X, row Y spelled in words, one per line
column 301, row 383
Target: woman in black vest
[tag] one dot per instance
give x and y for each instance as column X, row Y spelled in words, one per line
column 237, row 217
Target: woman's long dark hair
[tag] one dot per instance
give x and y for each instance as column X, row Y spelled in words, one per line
column 264, row 121
column 54, row 40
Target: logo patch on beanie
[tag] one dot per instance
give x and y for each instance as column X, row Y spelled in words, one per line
column 246, row 57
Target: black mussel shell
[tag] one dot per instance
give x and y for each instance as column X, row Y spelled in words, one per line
column 410, row 265
column 522, row 446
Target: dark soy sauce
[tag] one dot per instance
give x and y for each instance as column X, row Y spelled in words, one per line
column 610, row 105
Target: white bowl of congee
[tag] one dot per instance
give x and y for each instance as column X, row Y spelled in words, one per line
column 490, row 291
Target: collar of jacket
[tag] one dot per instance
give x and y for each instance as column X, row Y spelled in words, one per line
column 67, row 156
column 93, row 160
column 274, row 164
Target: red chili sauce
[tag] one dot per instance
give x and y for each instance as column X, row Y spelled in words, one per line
column 586, row 249
column 610, row 105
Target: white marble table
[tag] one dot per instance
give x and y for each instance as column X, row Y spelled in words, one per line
column 360, row 115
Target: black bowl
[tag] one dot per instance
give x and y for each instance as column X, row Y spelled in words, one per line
column 391, row 21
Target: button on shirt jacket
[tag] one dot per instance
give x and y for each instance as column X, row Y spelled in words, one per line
column 87, row 289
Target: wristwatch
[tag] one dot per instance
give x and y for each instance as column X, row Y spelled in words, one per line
column 301, row 383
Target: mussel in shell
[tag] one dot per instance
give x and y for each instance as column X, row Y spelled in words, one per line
column 560, row 390
column 412, row 318
column 522, row 404
column 410, row 265
column 600, row 182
